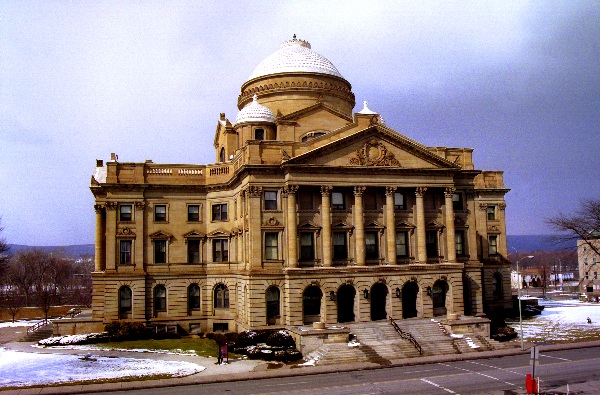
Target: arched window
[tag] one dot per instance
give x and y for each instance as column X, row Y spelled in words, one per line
column 272, row 297
column 221, row 297
column 193, row 297
column 222, row 155
column 160, row 298
column 124, row 302
column 497, row 286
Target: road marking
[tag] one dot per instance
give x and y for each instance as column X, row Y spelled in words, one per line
column 496, row 367
column 481, row 374
column 277, row 385
column 562, row 359
column 439, row 386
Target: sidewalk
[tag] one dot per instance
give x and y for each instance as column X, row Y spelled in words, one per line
column 238, row 370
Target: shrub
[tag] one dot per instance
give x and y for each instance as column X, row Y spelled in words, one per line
column 118, row 330
column 281, row 339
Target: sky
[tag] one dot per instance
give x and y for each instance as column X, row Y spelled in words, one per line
column 517, row 81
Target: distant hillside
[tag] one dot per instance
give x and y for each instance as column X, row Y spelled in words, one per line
column 532, row 243
column 528, row 243
column 74, row 250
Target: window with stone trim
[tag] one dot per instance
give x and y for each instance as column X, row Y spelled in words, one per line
column 193, row 212
column 402, row 244
column 493, row 244
column 270, row 200
column 160, row 298
column 221, row 297
column 259, row 134
column 491, row 213
column 271, row 245
column 125, row 298
column 337, row 201
column 459, row 242
column 399, row 201
column 160, row 251
column 371, row 245
column 125, row 251
column 160, row 213
column 193, row 297
column 340, row 245
column 220, row 250
column 307, row 246
column 431, row 243
column 458, row 203
column 219, row 212
column 193, row 250
column 125, row 212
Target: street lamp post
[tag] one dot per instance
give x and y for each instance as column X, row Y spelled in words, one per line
column 519, row 282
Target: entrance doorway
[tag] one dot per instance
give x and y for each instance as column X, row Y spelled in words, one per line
column 467, row 296
column 438, row 295
column 345, row 303
column 311, row 304
column 410, row 291
column 379, row 293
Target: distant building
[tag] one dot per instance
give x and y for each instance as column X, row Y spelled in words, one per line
column 589, row 267
column 310, row 213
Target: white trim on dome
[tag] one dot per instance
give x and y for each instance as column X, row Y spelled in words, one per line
column 255, row 112
column 295, row 56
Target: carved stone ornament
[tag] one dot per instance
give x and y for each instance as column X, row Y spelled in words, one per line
column 493, row 228
column 285, row 155
column 290, row 189
column 125, row 232
column 420, row 191
column 374, row 153
column 449, row 192
column 98, row 208
column 483, row 206
column 272, row 222
column 502, row 206
column 389, row 191
column 111, row 205
column 358, row 191
column 139, row 206
column 255, row 191
column 326, row 190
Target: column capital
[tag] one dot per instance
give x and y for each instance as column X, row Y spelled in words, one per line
column 448, row 192
column 139, row 206
column 502, row 206
column 389, row 191
column 358, row 191
column 420, row 191
column 289, row 189
column 98, row 208
column 326, row 190
column 111, row 206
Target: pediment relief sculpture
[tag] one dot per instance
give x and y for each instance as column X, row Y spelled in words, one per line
column 374, row 153
column 125, row 232
column 272, row 222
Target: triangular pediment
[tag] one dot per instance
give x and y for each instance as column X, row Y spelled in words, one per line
column 375, row 146
column 194, row 234
column 161, row 235
column 316, row 110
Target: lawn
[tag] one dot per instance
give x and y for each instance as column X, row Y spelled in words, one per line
column 201, row 346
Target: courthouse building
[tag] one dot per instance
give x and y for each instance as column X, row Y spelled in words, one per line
column 311, row 213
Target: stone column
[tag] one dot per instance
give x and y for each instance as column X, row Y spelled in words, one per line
column 421, row 241
column 100, row 263
column 292, row 226
column 254, row 223
column 390, row 225
column 138, row 254
column 326, row 224
column 111, row 231
column 359, row 226
column 450, row 232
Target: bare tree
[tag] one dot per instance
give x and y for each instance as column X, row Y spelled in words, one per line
column 4, row 248
column 22, row 273
column 13, row 299
column 584, row 224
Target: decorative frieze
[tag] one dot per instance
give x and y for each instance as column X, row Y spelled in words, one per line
column 374, row 153
column 255, row 191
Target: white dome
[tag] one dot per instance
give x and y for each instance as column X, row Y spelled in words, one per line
column 295, row 56
column 255, row 112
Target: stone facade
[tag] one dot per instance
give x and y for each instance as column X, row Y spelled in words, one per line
column 589, row 267
column 310, row 213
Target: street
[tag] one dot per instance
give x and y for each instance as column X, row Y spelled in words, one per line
column 507, row 374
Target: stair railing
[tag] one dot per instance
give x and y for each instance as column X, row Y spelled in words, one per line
column 407, row 336
column 37, row 326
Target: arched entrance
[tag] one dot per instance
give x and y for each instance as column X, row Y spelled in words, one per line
column 345, row 303
column 311, row 304
column 438, row 296
column 379, row 293
column 410, row 291
column 272, row 297
column 467, row 295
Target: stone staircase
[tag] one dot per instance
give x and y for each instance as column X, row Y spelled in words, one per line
column 41, row 333
column 379, row 343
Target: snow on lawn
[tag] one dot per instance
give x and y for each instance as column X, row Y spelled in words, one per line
column 10, row 324
column 561, row 322
column 27, row 369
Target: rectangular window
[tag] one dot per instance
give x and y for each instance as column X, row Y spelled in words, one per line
column 305, row 200
column 220, row 250
column 371, row 245
column 337, row 201
column 259, row 134
column 340, row 246
column 493, row 242
column 307, row 246
column 160, row 251
column 270, row 200
column 219, row 212
column 193, row 212
column 399, row 201
column 491, row 213
column 125, row 212
column 431, row 243
column 402, row 244
column 271, row 245
column 160, row 213
column 125, row 252
column 193, row 250
column 459, row 241
column 457, row 201
column 595, row 275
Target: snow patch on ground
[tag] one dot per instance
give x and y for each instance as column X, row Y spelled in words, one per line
column 9, row 324
column 19, row 369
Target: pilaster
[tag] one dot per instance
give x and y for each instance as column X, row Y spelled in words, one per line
column 421, row 241
column 326, row 224
column 100, row 246
column 292, row 227
column 390, row 225
column 359, row 225
column 450, row 231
